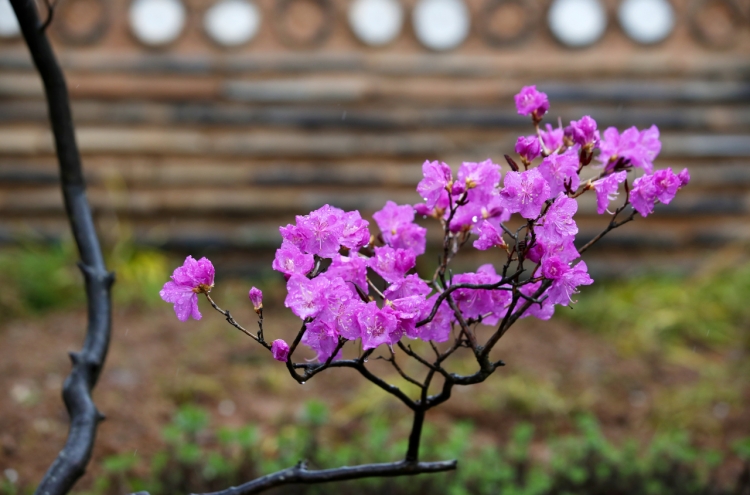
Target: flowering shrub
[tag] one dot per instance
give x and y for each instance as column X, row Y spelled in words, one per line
column 333, row 260
column 341, row 302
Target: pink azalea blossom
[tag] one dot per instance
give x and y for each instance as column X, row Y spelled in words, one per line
column 554, row 268
column 566, row 285
column 280, row 350
column 552, row 138
column 411, row 237
column 667, row 184
column 558, row 222
column 289, row 260
column 606, row 190
column 489, row 236
column 399, row 231
column 439, row 328
column 354, row 232
column 584, row 133
column 684, row 177
column 322, row 339
column 189, row 280
column 528, row 147
column 561, row 170
column 437, row 176
column 640, row 148
column 352, row 269
column 322, row 231
column 524, row 193
column 305, row 297
column 293, row 235
column 643, row 195
column 376, row 325
column 392, row 264
column 407, row 286
column 531, row 102
column 564, row 250
column 480, row 178
column 474, row 303
column 543, row 310
column 661, row 186
column 393, row 216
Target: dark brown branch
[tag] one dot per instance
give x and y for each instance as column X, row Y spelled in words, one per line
column 300, row 474
column 613, row 224
column 230, row 319
column 50, row 14
column 71, row 462
column 452, row 288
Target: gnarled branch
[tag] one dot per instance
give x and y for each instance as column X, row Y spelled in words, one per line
column 72, row 460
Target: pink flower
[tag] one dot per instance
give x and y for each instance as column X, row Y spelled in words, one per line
column 306, row 298
column 480, row 178
column 560, row 171
column 393, row 216
column 606, row 190
column 351, row 269
column 280, row 350
column 525, row 193
column 289, row 260
column 554, row 268
column 189, row 280
column 684, row 177
column 376, row 325
column 543, row 310
column 321, row 339
column 411, row 237
column 437, row 176
column 528, row 148
column 392, row 264
column 566, row 285
column 399, row 231
column 667, row 184
column 354, row 232
column 530, row 101
column 407, row 286
column 552, row 138
column 322, row 230
column 558, row 222
column 584, row 133
column 439, row 329
column 293, row 235
column 640, row 148
column 643, row 195
column 489, row 236
column 474, row 303
column 256, row 297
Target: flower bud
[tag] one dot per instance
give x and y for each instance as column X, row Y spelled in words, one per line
column 256, row 297
column 280, row 350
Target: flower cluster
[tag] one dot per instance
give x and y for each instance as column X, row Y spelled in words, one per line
column 347, row 284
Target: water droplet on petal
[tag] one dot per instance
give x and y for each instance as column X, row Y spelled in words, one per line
column 474, row 219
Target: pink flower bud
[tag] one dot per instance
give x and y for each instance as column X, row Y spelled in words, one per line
column 256, row 297
column 422, row 209
column 280, row 350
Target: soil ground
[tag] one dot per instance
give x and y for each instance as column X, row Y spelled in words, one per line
column 553, row 370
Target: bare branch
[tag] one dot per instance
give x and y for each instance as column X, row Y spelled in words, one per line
column 71, row 462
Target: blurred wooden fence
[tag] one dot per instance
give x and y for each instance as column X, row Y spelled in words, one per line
column 195, row 148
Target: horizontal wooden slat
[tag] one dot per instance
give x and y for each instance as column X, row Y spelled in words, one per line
column 426, row 145
column 378, row 117
column 144, row 172
column 560, row 63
